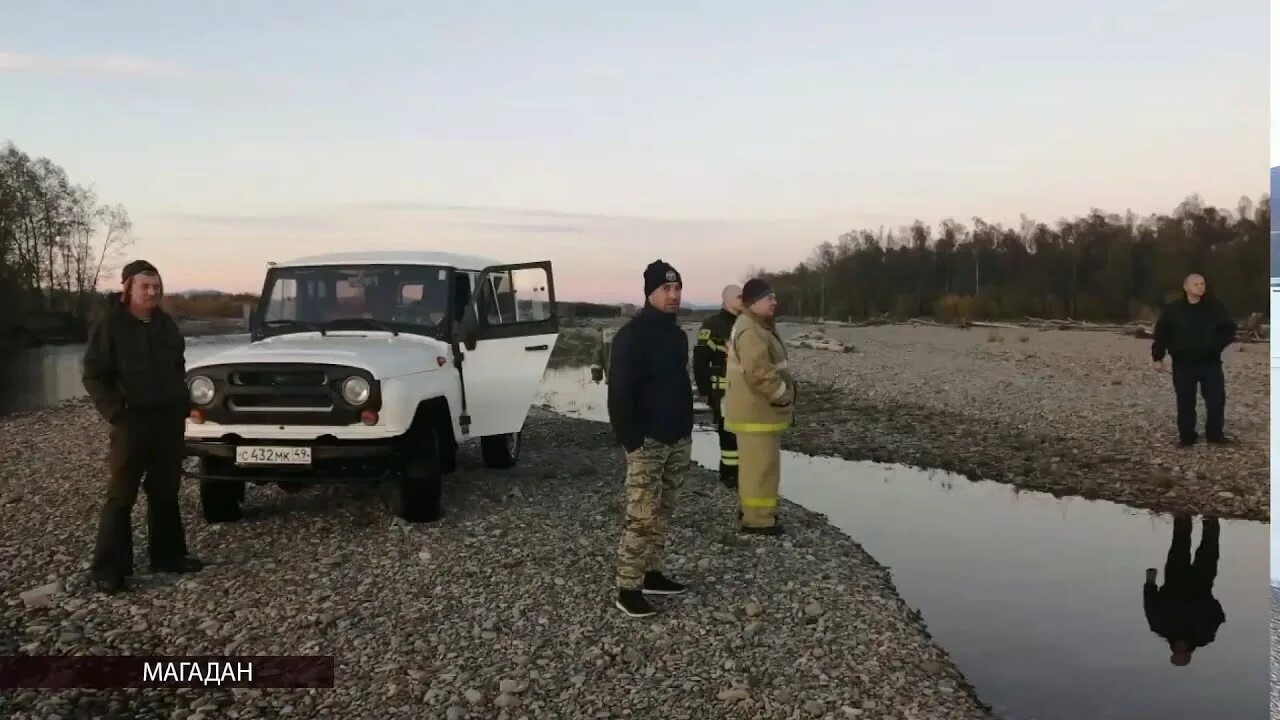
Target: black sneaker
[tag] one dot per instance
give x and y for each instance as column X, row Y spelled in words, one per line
column 1220, row 440
column 188, row 564
column 1187, row 442
column 632, row 602
column 771, row 530
column 655, row 583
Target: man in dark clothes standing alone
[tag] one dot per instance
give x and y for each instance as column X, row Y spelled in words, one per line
column 651, row 410
column 1194, row 330
column 1184, row 611
column 134, row 372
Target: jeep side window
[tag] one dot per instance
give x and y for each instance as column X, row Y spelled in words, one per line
column 517, row 296
column 284, row 300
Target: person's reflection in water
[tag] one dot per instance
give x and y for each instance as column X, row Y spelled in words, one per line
column 1184, row 611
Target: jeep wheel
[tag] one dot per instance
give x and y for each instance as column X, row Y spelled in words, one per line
column 500, row 451
column 449, row 459
column 220, row 500
column 415, row 494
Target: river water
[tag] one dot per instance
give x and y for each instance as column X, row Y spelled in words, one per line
column 1039, row 600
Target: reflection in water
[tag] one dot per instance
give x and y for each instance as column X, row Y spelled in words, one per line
column 1184, row 611
column 1033, row 596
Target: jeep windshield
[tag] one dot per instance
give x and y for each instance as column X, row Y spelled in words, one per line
column 378, row 298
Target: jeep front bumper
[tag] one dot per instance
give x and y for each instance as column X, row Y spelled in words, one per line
column 330, row 460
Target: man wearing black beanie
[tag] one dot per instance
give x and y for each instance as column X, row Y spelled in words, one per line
column 651, row 411
column 758, row 406
column 134, row 372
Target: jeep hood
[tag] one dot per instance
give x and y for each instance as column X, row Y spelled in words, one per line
column 384, row 355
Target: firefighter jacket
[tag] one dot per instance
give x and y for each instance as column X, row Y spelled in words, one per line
column 761, row 394
column 709, row 361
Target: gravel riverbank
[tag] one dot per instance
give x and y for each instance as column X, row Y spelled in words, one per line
column 502, row 610
column 1069, row 412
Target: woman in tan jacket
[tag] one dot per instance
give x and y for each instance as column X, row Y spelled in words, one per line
column 758, row 406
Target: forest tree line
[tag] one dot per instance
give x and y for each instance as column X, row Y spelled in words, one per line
column 56, row 238
column 1099, row 267
column 58, row 241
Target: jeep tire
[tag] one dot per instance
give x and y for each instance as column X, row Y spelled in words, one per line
column 500, row 451
column 220, row 500
column 415, row 494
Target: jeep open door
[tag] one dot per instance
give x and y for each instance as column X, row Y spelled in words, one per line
column 516, row 327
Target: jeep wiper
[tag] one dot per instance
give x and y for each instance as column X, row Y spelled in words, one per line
column 377, row 324
column 296, row 323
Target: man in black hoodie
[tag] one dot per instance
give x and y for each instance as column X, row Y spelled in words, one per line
column 1194, row 330
column 651, row 410
column 134, row 372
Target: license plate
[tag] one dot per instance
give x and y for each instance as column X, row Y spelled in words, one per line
column 263, row 455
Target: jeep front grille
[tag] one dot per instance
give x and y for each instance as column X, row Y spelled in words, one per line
column 284, row 394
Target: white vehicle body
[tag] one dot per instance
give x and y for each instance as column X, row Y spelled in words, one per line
column 441, row 341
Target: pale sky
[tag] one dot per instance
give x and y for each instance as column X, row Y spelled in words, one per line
column 731, row 135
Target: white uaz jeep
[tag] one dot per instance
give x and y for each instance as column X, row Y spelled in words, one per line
column 372, row 367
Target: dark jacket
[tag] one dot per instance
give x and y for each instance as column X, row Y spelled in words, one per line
column 709, row 353
column 130, row 364
column 650, row 393
column 1184, row 614
column 1193, row 333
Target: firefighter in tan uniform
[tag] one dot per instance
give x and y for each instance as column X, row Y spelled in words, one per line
column 758, row 406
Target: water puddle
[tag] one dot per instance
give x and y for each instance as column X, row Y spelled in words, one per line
column 1039, row 600
column 39, row 377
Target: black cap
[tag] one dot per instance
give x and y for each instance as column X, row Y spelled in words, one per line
column 754, row 289
column 136, row 267
column 658, row 274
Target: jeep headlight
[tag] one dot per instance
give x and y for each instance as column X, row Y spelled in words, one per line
column 355, row 390
column 201, row 389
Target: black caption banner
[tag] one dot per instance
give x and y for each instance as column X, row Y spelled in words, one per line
column 126, row 671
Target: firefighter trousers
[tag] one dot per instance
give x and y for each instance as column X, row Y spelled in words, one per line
column 759, row 470
column 728, row 449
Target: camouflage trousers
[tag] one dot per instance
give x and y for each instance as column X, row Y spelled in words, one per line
column 655, row 473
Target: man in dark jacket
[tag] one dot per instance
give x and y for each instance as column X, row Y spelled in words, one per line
column 1184, row 611
column 134, row 372
column 651, row 411
column 709, row 373
column 1194, row 330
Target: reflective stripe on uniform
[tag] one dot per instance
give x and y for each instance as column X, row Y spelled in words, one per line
column 759, row 502
column 719, row 383
column 729, row 458
column 748, row 427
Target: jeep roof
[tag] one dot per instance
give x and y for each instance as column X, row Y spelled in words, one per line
column 395, row 257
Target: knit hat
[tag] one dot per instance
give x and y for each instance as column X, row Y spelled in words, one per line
column 754, row 289
column 136, row 267
column 658, row 274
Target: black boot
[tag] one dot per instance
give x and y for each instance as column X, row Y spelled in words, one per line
column 185, row 564
column 109, row 585
column 771, row 530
